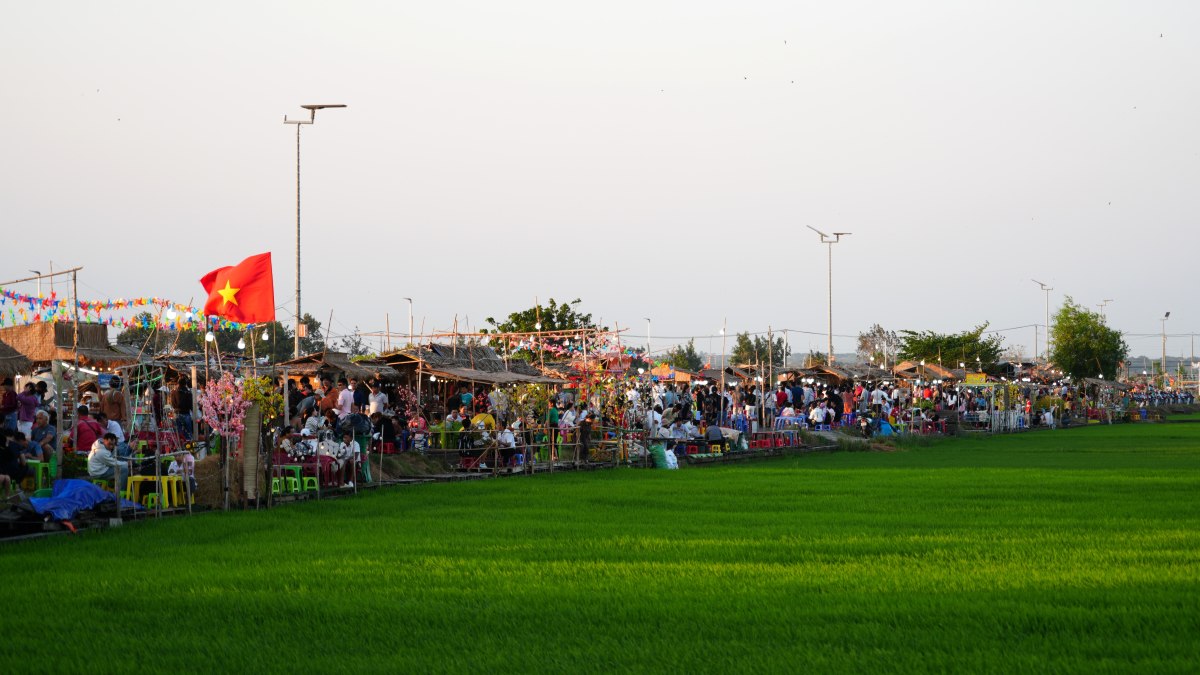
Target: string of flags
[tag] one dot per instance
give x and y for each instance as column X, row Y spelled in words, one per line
column 19, row 309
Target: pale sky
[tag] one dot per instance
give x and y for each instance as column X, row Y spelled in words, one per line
column 654, row 159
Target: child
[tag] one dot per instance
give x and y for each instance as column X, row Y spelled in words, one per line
column 184, row 465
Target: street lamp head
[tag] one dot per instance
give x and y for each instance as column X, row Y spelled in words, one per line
column 823, row 235
column 1167, row 316
column 322, row 106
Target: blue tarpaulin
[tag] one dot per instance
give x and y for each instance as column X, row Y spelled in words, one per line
column 70, row 496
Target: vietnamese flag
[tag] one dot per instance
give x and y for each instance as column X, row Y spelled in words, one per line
column 244, row 293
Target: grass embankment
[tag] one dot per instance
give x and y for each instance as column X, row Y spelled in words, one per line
column 1047, row 552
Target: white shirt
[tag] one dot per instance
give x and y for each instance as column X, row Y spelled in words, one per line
column 377, row 402
column 114, row 428
column 345, row 402
column 506, row 439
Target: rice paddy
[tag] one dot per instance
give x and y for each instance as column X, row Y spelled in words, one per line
column 1069, row 551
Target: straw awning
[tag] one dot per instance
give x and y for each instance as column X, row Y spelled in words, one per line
column 13, row 362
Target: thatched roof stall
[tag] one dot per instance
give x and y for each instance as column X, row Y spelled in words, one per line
column 464, row 363
column 334, row 365
column 908, row 370
column 12, row 362
column 42, row 343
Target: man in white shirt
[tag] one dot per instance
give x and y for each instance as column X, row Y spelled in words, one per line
column 113, row 427
column 377, row 402
column 690, row 431
column 345, row 401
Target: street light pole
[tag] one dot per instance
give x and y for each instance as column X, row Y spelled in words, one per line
column 647, row 339
column 1046, row 354
column 39, row 280
column 830, row 241
column 312, row 116
column 1102, row 305
column 1164, row 348
column 410, row 331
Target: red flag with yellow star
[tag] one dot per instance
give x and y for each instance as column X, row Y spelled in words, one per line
column 244, row 293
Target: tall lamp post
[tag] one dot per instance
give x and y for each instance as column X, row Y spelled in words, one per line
column 1046, row 288
column 1102, row 305
column 1164, row 348
column 647, row 339
column 830, row 240
column 410, row 332
column 312, row 116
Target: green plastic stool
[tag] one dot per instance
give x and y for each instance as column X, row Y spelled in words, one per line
column 276, row 486
column 150, row 501
column 293, row 486
column 101, row 483
column 310, row 483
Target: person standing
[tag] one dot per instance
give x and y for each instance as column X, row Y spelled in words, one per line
column 27, row 405
column 181, row 401
column 8, row 405
column 345, row 399
column 113, row 404
column 377, row 401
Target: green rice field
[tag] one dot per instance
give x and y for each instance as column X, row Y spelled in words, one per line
column 1067, row 551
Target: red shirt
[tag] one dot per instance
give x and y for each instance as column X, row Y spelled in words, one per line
column 86, row 433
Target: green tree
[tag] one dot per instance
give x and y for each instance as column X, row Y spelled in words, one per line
column 685, row 356
column 759, row 349
column 951, row 348
column 554, row 316
column 815, row 358
column 1084, row 345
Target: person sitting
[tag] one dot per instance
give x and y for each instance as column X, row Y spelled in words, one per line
column 43, row 435
column 679, row 435
column 104, row 463
column 30, row 452
column 690, row 431
column 788, row 411
column 715, row 437
column 506, row 440
column 184, row 466
column 12, row 464
column 350, row 454
column 115, row 429
column 87, row 430
column 382, row 428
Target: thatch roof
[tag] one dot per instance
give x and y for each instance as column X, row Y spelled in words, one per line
column 466, row 363
column 929, row 370
column 336, row 363
column 46, row 342
column 13, row 362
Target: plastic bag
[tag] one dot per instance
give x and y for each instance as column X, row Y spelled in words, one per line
column 672, row 460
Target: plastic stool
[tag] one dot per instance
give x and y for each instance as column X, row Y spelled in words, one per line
column 150, row 501
column 310, row 483
column 101, row 483
column 293, row 485
column 276, row 486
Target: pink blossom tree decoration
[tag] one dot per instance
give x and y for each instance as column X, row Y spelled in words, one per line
column 224, row 406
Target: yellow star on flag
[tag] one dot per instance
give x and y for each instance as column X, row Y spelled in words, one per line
column 228, row 294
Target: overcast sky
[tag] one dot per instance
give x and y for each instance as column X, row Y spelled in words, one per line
column 654, row 159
